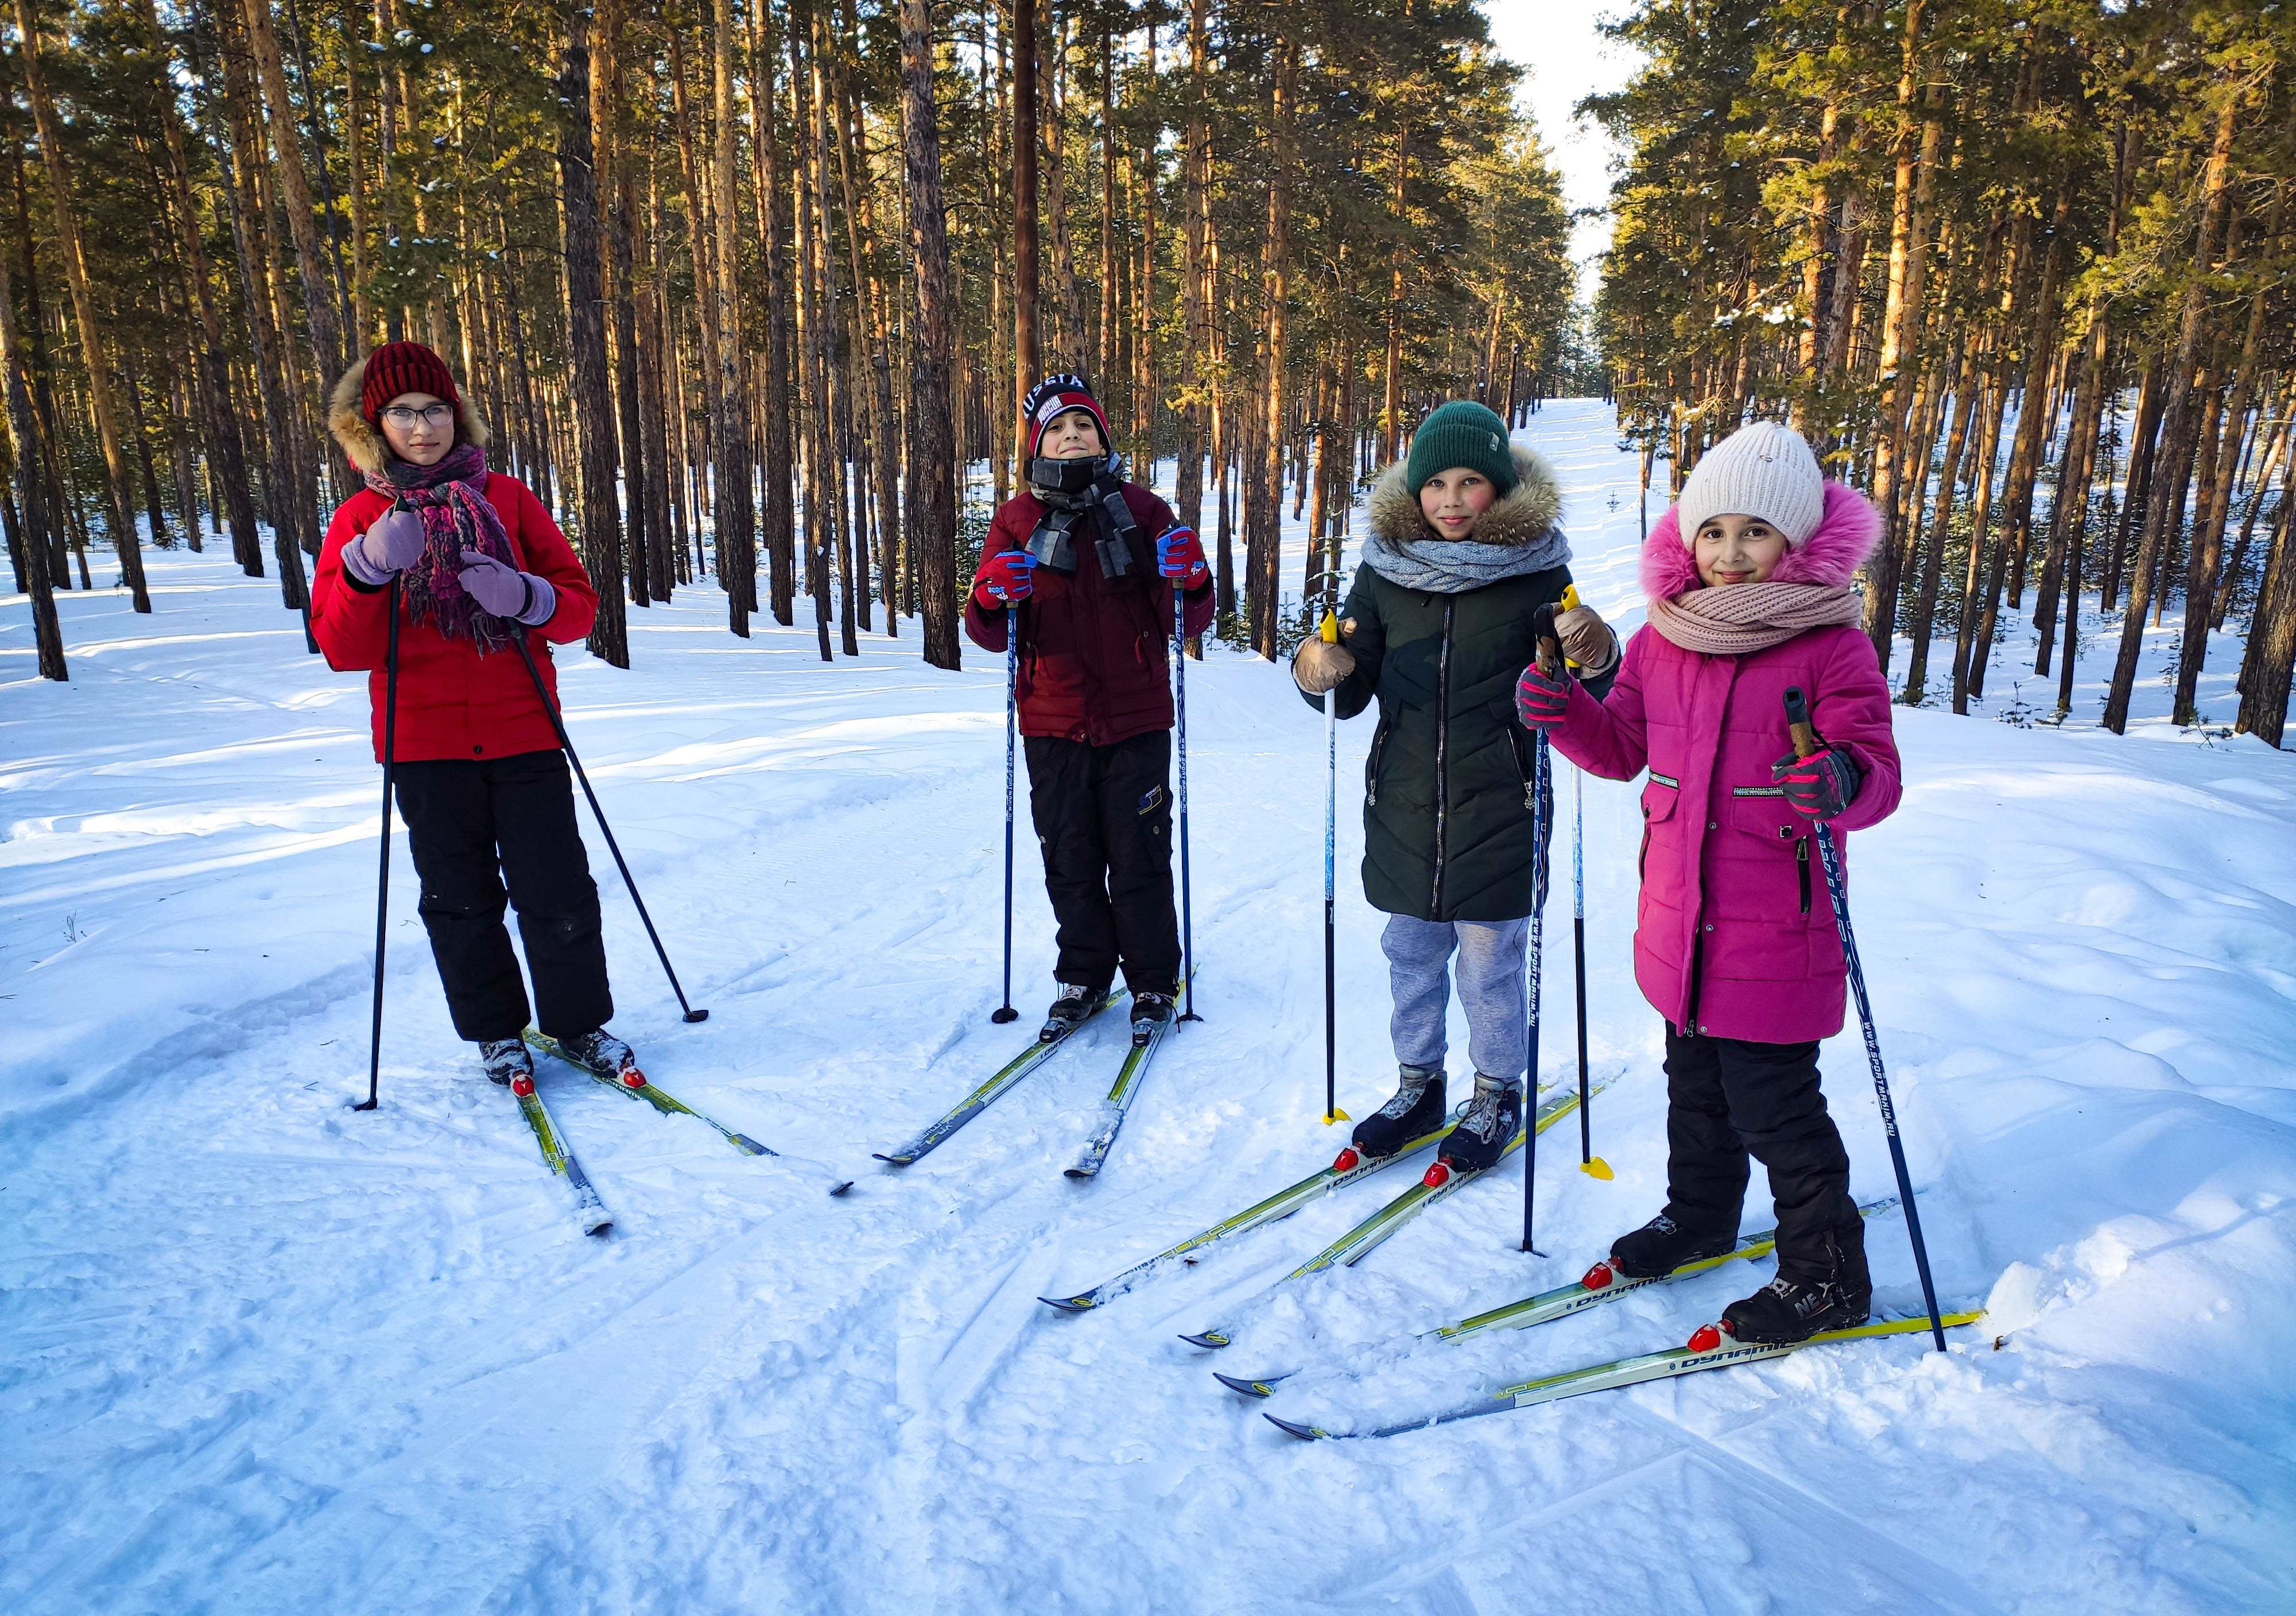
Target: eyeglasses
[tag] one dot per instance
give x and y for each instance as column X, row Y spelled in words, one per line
column 429, row 414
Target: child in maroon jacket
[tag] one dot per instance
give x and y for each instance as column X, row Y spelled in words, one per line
column 1086, row 562
column 479, row 780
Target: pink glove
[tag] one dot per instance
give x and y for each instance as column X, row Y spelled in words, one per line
column 1540, row 700
column 1820, row 785
column 506, row 592
column 1180, row 555
column 1004, row 579
column 387, row 548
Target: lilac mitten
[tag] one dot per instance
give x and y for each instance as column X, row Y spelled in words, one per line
column 506, row 592
column 386, row 548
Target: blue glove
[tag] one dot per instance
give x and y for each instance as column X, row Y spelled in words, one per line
column 1180, row 555
column 1004, row 578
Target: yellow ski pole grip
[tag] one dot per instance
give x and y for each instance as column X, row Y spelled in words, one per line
column 1569, row 603
column 1328, row 631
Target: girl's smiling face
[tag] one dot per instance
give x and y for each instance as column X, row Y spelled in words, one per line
column 1454, row 500
column 1737, row 550
column 1072, row 435
column 418, row 428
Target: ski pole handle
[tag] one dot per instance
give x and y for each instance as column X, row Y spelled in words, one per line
column 1328, row 631
column 1549, row 649
column 1799, row 728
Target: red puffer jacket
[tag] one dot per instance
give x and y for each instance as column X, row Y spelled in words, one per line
column 1093, row 649
column 451, row 701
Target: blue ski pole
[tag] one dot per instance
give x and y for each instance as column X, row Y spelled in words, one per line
column 1806, row 743
column 1005, row 1012
column 1180, row 715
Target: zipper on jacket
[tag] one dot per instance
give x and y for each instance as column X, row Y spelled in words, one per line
column 1442, row 751
column 1377, row 745
column 1801, row 869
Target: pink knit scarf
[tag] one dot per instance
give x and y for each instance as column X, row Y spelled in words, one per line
column 1741, row 617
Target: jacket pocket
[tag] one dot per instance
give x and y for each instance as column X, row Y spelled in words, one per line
column 1660, row 798
column 1371, row 764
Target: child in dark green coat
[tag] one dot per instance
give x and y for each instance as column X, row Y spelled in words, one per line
column 1464, row 547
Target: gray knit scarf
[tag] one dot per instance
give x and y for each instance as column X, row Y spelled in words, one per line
column 1453, row 566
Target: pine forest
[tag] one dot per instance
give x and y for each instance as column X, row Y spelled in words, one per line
column 748, row 290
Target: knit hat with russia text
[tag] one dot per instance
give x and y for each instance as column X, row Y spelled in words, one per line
column 1763, row 471
column 1057, row 396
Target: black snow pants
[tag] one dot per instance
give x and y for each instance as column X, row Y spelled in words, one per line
column 472, row 826
column 1104, row 816
column 1726, row 1098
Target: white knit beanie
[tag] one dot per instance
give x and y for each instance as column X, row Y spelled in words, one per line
column 1765, row 470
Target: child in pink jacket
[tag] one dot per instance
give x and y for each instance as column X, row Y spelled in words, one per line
column 1734, row 942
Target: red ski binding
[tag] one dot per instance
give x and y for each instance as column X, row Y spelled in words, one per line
column 521, row 1086
column 632, row 1078
column 1438, row 1174
column 1706, row 1338
column 1347, row 1161
column 1598, row 1276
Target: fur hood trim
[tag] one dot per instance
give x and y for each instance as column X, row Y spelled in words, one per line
column 366, row 445
column 1847, row 534
column 1523, row 515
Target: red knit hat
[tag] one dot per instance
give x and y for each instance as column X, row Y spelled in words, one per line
column 1057, row 396
column 403, row 368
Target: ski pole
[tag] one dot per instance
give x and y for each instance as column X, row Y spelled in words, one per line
column 1589, row 1163
column 1180, row 715
column 1005, row 1012
column 1806, row 743
column 382, row 880
column 1331, row 1111
column 1549, row 654
column 565, row 741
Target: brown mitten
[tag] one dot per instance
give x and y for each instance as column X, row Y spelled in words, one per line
column 1586, row 640
column 1317, row 667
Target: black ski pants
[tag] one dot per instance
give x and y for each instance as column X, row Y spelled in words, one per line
column 1729, row 1098
column 472, row 826
column 1104, row 818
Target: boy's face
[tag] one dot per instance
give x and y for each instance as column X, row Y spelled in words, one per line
column 1737, row 550
column 1454, row 500
column 1072, row 435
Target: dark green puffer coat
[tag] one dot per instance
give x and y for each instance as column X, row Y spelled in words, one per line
column 1447, row 817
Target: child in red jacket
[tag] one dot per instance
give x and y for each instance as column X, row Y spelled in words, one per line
column 1090, row 561
column 470, row 558
column 1748, row 585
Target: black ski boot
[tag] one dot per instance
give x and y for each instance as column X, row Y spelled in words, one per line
column 1417, row 1108
column 506, row 1059
column 1662, row 1245
column 602, row 1052
column 1070, row 1011
column 1834, row 1292
column 1492, row 1118
column 1149, row 1011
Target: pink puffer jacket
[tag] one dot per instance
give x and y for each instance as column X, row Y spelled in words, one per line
column 1731, row 875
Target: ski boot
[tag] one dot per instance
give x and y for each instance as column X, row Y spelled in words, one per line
column 1833, row 1292
column 1481, row 1136
column 1149, row 1011
column 1417, row 1108
column 1662, row 1245
column 604, row 1053
column 506, row 1059
column 1069, row 1012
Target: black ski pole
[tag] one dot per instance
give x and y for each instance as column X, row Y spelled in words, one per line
column 1330, row 633
column 1005, row 1012
column 1549, row 654
column 1180, row 715
column 1806, row 743
column 559, row 724
column 382, row 881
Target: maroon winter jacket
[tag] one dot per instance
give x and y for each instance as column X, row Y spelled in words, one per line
column 1093, row 649
column 451, row 701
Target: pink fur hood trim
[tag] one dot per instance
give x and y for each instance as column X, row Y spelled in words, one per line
column 1848, row 533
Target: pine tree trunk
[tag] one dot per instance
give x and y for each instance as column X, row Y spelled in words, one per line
column 930, row 518
column 122, row 512
column 1028, row 344
column 40, row 569
column 591, row 402
column 302, row 213
column 616, row 202
column 780, row 514
column 1264, row 547
column 1196, row 277
column 2165, row 507
column 737, row 533
column 2265, row 670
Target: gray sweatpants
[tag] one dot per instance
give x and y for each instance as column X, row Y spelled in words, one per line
column 1490, row 989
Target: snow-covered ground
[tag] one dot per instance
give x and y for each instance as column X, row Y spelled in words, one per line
column 260, row 1353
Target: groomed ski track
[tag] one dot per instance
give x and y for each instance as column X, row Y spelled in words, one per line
column 259, row 1354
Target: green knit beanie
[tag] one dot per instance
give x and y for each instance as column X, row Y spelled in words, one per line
column 1462, row 433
